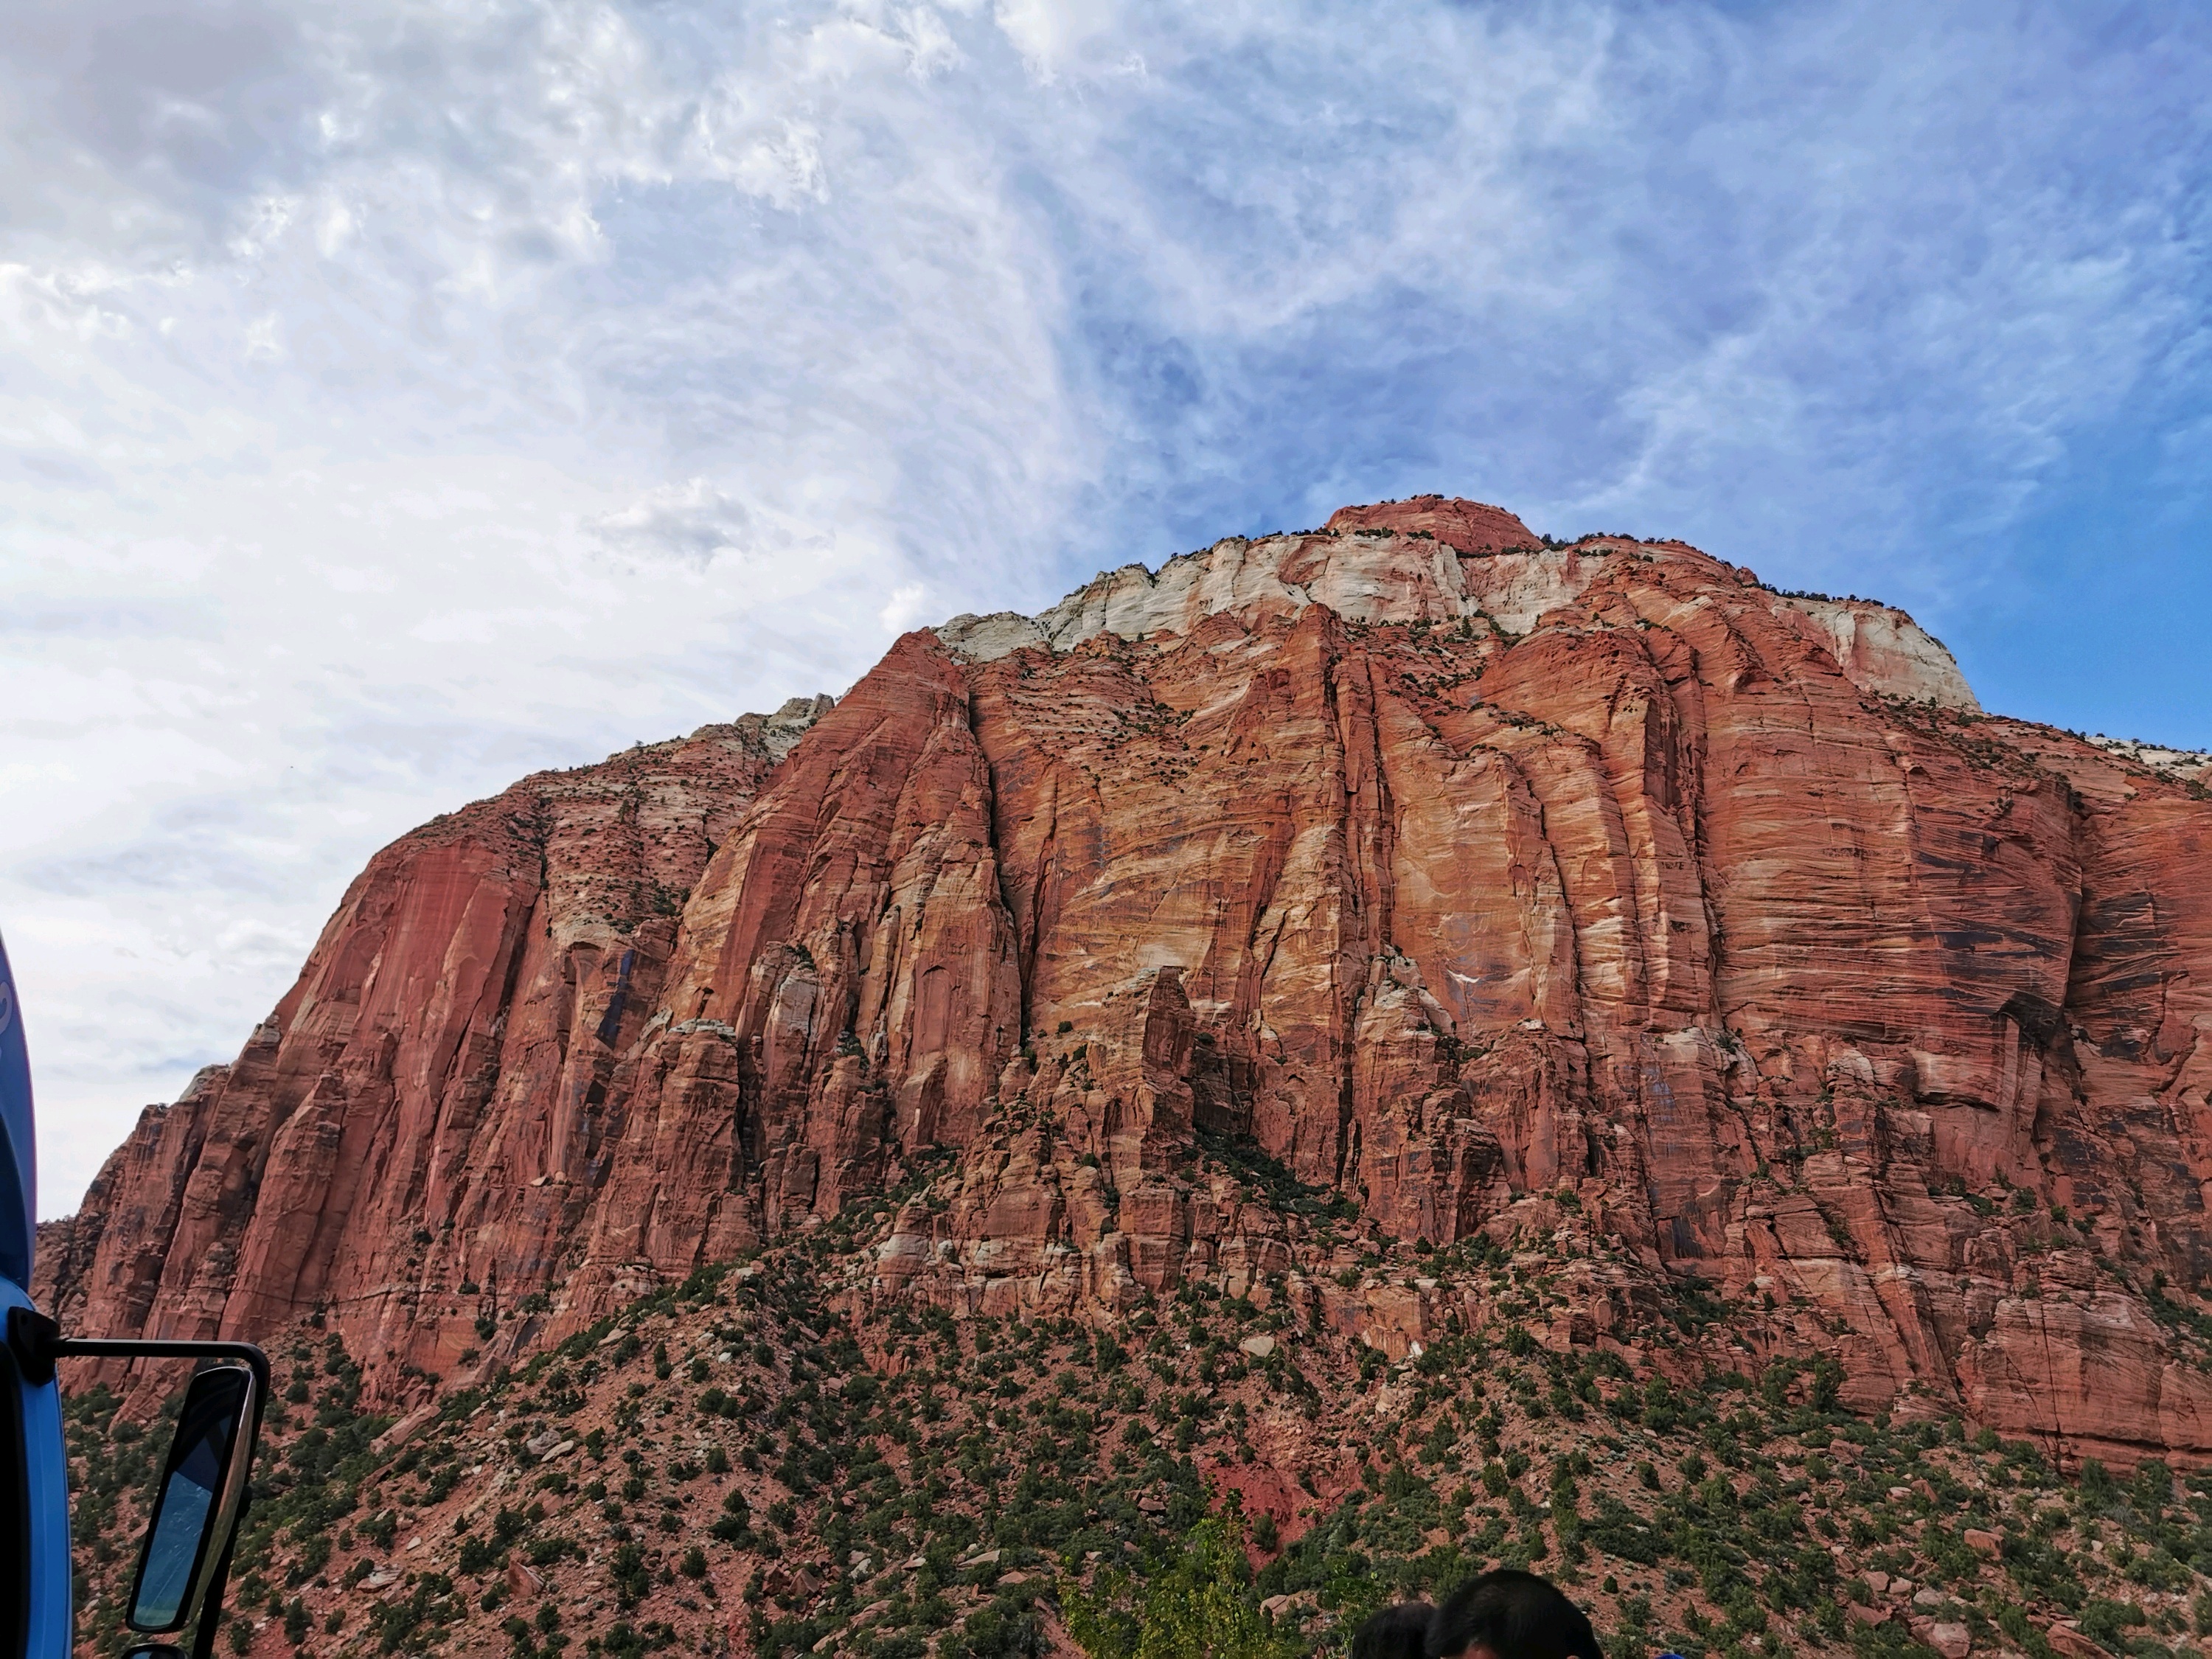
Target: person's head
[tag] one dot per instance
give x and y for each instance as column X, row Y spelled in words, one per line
column 1508, row 1614
column 1397, row 1632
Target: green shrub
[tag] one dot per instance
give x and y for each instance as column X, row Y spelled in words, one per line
column 1201, row 1606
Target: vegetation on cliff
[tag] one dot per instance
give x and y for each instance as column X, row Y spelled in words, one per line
column 1273, row 1084
column 759, row 1461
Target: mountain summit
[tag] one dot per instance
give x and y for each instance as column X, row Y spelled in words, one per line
column 1466, row 884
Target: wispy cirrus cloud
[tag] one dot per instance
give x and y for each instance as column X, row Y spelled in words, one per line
column 396, row 397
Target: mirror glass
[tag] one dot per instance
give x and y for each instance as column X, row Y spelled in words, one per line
column 188, row 1509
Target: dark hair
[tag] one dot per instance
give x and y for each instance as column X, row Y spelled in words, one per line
column 1516, row 1615
column 1397, row 1632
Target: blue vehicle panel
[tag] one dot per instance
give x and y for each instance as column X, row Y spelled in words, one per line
column 37, row 1462
column 45, row 1503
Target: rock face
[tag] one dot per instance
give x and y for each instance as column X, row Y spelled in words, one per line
column 1498, row 885
column 428, row 1107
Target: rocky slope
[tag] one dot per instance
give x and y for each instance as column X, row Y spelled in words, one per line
column 732, row 1465
column 1497, row 886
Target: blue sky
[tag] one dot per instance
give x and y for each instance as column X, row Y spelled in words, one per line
column 396, row 397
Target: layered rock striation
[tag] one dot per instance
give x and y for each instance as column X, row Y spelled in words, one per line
column 1496, row 885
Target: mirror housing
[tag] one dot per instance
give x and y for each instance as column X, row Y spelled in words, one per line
column 197, row 1506
column 36, row 1342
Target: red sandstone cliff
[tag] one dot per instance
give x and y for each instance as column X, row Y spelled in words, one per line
column 1499, row 885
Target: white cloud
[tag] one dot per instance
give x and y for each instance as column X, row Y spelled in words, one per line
column 907, row 608
column 392, row 395
column 692, row 522
column 1051, row 34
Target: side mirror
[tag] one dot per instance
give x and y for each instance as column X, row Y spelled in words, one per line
column 203, row 1487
